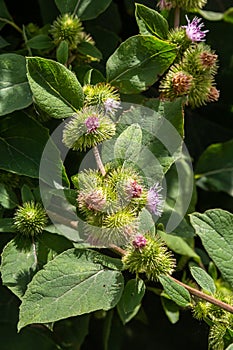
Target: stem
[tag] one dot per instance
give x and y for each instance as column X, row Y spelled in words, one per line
column 61, row 220
column 12, row 24
column 25, row 40
column 34, row 252
column 204, row 296
column 76, row 8
column 117, row 249
column 177, row 17
column 99, row 161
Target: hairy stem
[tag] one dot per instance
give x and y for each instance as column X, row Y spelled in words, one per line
column 205, row 297
column 34, row 253
column 177, row 17
column 99, row 161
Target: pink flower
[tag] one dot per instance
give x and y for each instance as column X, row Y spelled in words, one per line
column 139, row 241
column 193, row 29
column 92, row 123
column 134, row 190
column 111, row 105
column 154, row 200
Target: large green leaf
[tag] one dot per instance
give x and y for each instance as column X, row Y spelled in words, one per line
column 84, row 9
column 175, row 291
column 14, row 88
column 151, row 22
column 19, row 263
column 158, row 151
column 130, row 301
column 139, row 62
column 21, row 147
column 214, row 169
column 203, row 279
column 55, row 88
column 128, row 144
column 21, row 259
column 72, row 284
column 215, row 228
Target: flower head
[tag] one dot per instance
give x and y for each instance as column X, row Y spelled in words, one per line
column 134, row 189
column 92, row 123
column 139, row 241
column 92, row 201
column 154, row 200
column 101, row 93
column 154, row 259
column 208, row 59
column 30, row 219
column 111, row 105
column 67, row 27
column 181, row 83
column 87, row 128
column 193, row 29
column 213, row 94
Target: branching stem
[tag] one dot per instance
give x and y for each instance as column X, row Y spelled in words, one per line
column 205, row 296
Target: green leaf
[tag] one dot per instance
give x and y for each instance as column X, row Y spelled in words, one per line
column 139, row 62
column 8, row 198
column 178, row 245
column 21, row 259
column 84, row 9
column 230, row 347
column 18, row 266
column 88, row 49
column 6, row 225
column 211, row 15
column 14, row 88
column 157, row 121
column 203, row 279
column 128, row 144
column 62, row 52
column 93, row 76
column 26, row 194
column 228, row 15
column 171, row 310
column 130, row 301
column 40, row 42
column 55, row 88
column 214, row 169
column 151, row 22
column 22, row 147
column 72, row 284
column 175, row 291
column 215, row 228
column 4, row 14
